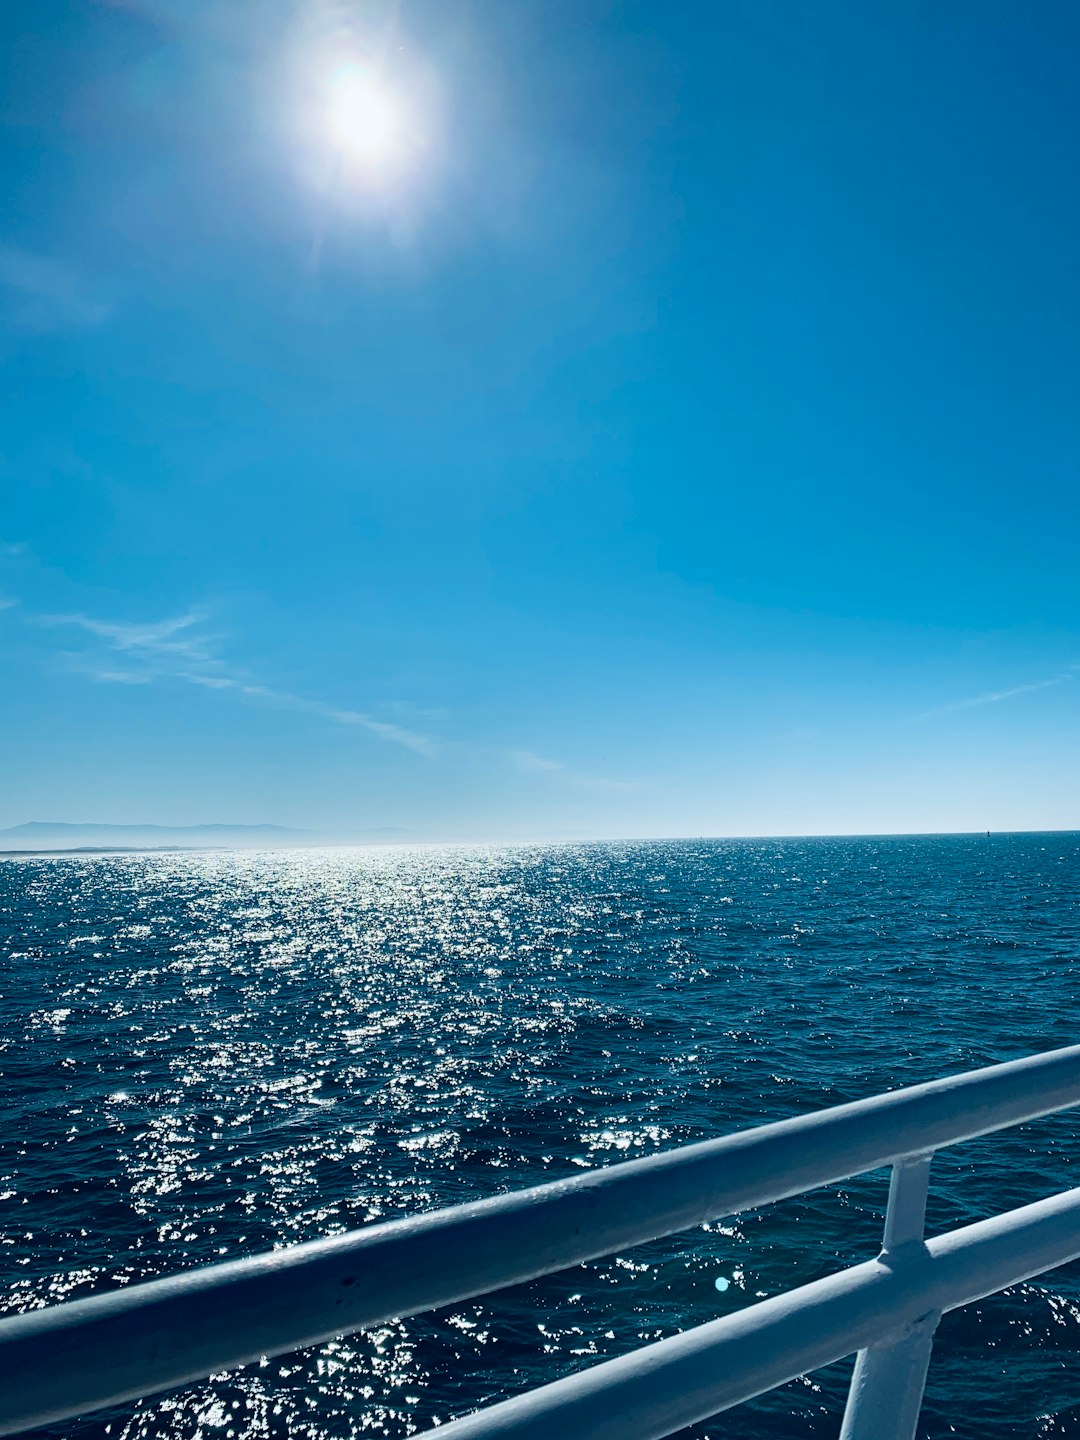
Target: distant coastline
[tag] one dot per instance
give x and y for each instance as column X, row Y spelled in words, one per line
column 49, row 851
column 37, row 837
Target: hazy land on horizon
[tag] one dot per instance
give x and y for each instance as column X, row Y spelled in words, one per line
column 37, row 837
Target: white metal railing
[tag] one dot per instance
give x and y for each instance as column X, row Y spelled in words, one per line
column 68, row 1359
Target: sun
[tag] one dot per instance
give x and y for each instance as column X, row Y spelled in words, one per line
column 365, row 127
column 372, row 128
column 366, row 123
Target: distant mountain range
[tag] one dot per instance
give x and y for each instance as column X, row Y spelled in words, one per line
column 43, row 835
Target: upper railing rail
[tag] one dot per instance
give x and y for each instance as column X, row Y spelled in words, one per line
column 72, row 1358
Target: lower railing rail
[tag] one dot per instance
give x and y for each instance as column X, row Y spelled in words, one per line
column 663, row 1387
column 68, row 1359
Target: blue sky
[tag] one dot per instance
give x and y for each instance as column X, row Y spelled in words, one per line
column 618, row 419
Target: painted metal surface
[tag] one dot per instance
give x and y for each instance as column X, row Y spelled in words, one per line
column 890, row 1376
column 76, row 1357
column 887, row 1385
column 905, row 1218
column 660, row 1388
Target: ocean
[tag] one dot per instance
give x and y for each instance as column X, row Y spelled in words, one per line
column 206, row 1055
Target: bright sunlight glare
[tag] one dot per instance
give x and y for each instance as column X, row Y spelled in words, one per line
column 364, row 120
column 370, row 127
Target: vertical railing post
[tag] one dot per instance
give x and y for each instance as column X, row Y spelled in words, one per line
column 889, row 1378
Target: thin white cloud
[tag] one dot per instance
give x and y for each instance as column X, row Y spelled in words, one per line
column 994, row 696
column 45, row 294
column 529, row 760
column 284, row 700
column 106, row 676
column 166, row 640
column 179, row 649
column 386, row 729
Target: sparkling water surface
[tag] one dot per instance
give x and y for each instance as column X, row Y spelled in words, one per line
column 204, row 1056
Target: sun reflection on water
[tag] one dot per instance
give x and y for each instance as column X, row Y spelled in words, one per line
column 240, row 1052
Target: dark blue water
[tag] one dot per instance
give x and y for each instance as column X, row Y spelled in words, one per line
column 204, row 1056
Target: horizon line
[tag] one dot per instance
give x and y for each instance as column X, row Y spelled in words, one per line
column 517, row 843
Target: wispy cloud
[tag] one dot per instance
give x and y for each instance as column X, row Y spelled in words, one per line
column 106, row 676
column 285, row 700
column 163, row 641
column 529, row 760
column 992, row 697
column 180, row 648
column 45, row 294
